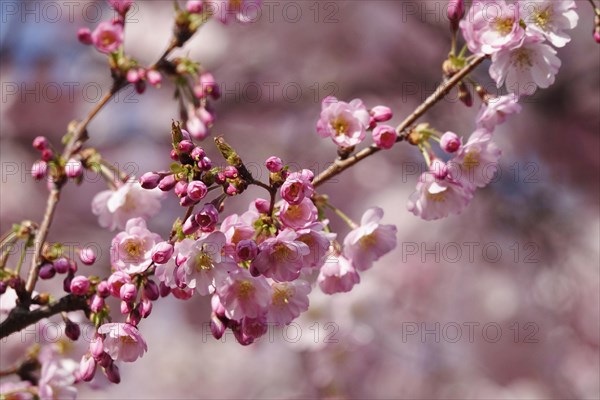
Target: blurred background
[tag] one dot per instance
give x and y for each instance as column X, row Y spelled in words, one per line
column 501, row 302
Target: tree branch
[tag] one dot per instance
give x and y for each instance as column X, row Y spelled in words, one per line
column 21, row 317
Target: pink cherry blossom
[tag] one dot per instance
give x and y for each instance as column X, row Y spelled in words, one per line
column 298, row 216
column 115, row 207
column 131, row 250
column 57, row 379
column 288, row 301
column 239, row 227
column 525, row 68
column 280, row 258
column 438, row 198
column 370, row 240
column 123, row 342
column 491, row 26
column 121, row 6
column 243, row 295
column 550, row 18
column 204, row 264
column 476, row 162
column 337, row 275
column 345, row 123
column 17, row 390
column 297, row 186
column 108, row 36
column 384, row 136
column 318, row 242
column 496, row 111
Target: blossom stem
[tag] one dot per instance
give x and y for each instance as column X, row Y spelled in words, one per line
column 21, row 259
column 341, row 165
column 596, row 9
column 10, row 240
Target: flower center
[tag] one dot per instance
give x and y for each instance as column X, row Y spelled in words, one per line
column 127, row 339
column 281, row 252
column 522, row 58
column 542, row 17
column 134, row 248
column 294, row 212
column 504, row 25
column 245, row 290
column 471, row 160
column 107, row 38
column 340, row 126
column 437, row 192
column 281, row 296
column 203, row 262
column 368, row 241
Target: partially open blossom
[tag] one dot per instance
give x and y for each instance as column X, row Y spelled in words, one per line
column 476, row 162
column 550, row 18
column 39, row 170
column 345, row 123
column 108, row 36
column 438, row 198
column 525, row 68
column 131, row 250
column 318, row 242
column 246, row 250
column 87, row 256
column 274, row 164
column 128, row 292
column 288, row 301
column 370, row 241
column 162, row 252
column 492, row 26
column 280, row 258
column 84, row 35
column 80, row 285
column 97, row 303
column 194, row 6
column 121, row 6
column 196, row 190
column 87, row 368
column 123, row 342
column 337, row 275
column 73, row 168
column 298, row 216
column 243, row 295
column 130, row 200
column 57, row 379
column 116, row 280
column 40, row 143
column 150, row 180
column 207, row 218
column 496, row 111
column 297, row 186
column 239, row 227
column 450, row 142
column 381, row 113
column 384, row 136
column 153, row 77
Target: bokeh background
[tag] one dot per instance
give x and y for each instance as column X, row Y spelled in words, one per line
column 501, row 302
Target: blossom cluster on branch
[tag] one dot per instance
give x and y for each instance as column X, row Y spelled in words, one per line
column 257, row 267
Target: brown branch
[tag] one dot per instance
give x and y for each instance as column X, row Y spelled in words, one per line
column 340, row 165
column 21, row 317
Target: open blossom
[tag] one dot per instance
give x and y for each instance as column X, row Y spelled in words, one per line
column 437, row 198
column 123, row 342
column 298, row 216
column 345, row 123
column 115, row 207
column 121, row 6
column 524, row 69
column 337, row 276
column 476, row 162
column 57, row 379
column 495, row 112
column 243, row 295
column 492, row 26
column 204, row 264
column 131, row 250
column 280, row 258
column 288, row 301
column 17, row 390
column 550, row 18
column 318, row 242
column 297, row 186
column 370, row 240
column 108, row 36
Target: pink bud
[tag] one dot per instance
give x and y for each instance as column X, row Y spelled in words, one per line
column 381, row 113
column 151, row 290
column 153, row 77
column 104, row 360
column 84, row 35
column 197, row 190
column 194, row 6
column 205, row 164
column 230, row 172
column 231, row 190
column 450, row 142
column 174, row 156
column 140, row 87
column 47, row 271
column 262, row 205
column 87, row 368
column 103, row 289
column 116, row 280
column 97, row 346
column 61, row 265
column 207, row 117
column 197, row 153
column 217, row 307
column 40, row 143
column 217, row 327
column 208, row 217
column 196, row 127
column 190, row 226
column 438, row 168
column 80, row 285
column 47, row 155
column 3, row 287
column 186, row 201
column 209, row 85
column 167, row 183
column 597, row 35
column 456, row 10
column 150, row 180
column 164, row 290
column 180, row 259
column 125, row 308
column 145, row 308
column 39, row 170
column 246, row 249
column 274, row 164
column 97, row 303
column 134, row 317
column 384, row 136
column 87, row 256
column 185, row 146
column 67, row 282
column 72, row 330
column 162, row 252
column 128, row 292
column 133, row 75
column 181, row 188
column 112, row 373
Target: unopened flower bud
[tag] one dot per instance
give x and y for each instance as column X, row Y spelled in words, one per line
column 465, row 95
column 87, row 368
column 274, row 164
column 181, row 188
column 597, row 34
column 381, row 113
column 190, row 226
column 205, row 164
column 185, row 146
column 231, row 172
column 128, row 292
column 154, row 77
column 84, row 35
column 97, row 303
column 197, row 154
column 174, row 156
column 456, row 10
column 112, row 373
column 262, row 205
column 67, row 282
column 207, row 218
column 133, row 75
column 87, row 256
column 47, row 155
column 47, row 271
column 151, row 290
column 140, row 87
column 40, row 143
column 39, row 170
column 162, row 252
column 217, row 327
column 72, row 330
column 103, row 289
column 186, row 201
column 164, row 289
column 450, row 142
column 145, row 308
column 167, row 183
column 61, row 265
column 231, row 190
column 134, row 317
column 220, row 178
column 197, row 190
column 209, row 85
column 246, row 249
column 125, row 308
column 73, row 168
column 97, row 346
column 3, row 287
column 80, row 285
column 194, row 6
column 150, row 180
column 384, row 136
column 104, row 360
